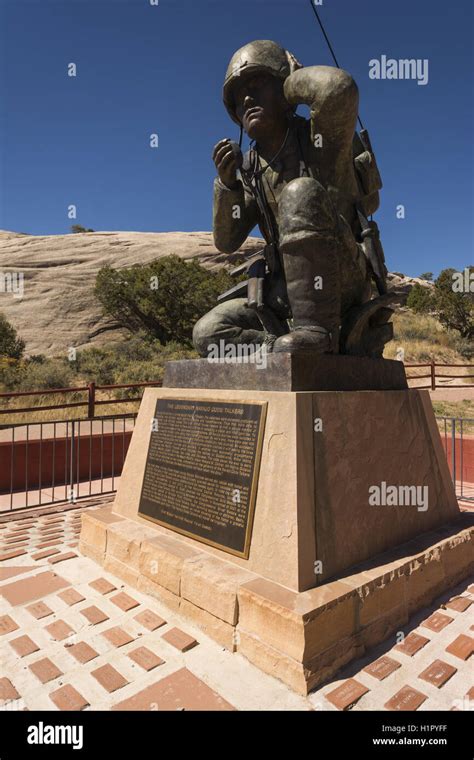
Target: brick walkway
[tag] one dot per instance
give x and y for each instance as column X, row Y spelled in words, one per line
column 73, row 637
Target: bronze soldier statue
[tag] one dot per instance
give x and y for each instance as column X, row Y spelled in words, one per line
column 309, row 185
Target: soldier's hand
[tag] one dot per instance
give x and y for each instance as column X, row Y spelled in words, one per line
column 226, row 163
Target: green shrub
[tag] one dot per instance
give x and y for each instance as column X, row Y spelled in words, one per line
column 420, row 299
column 464, row 347
column 97, row 365
column 164, row 298
column 76, row 228
column 11, row 346
column 55, row 373
column 455, row 309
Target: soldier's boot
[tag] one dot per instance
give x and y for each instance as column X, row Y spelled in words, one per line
column 309, row 254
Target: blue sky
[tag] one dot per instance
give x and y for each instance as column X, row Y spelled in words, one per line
column 145, row 69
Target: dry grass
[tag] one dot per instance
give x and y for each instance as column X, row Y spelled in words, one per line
column 423, row 339
column 134, row 360
column 455, row 409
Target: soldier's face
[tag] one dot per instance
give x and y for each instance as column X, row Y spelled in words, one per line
column 260, row 104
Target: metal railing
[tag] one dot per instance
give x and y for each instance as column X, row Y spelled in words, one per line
column 433, row 375
column 459, row 450
column 46, row 462
column 91, row 401
column 91, row 391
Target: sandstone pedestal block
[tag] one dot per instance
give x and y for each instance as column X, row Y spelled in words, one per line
column 332, row 569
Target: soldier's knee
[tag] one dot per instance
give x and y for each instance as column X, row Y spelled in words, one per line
column 305, row 205
column 223, row 322
column 301, row 190
column 203, row 333
column 302, row 185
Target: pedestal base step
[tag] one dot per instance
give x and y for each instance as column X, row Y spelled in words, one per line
column 301, row 638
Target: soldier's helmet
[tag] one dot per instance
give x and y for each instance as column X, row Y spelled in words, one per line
column 257, row 56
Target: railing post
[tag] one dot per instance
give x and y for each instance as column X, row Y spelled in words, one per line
column 433, row 376
column 91, row 401
column 71, row 498
column 453, row 448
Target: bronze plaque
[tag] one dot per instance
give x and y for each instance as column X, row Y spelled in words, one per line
column 202, row 470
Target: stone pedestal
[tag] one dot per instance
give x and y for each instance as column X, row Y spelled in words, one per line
column 328, row 572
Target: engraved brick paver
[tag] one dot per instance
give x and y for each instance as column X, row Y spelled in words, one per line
column 347, row 694
column 109, row 678
column 150, row 620
column 23, row 526
column 102, row 585
column 61, row 557
column 30, row 589
column 94, row 615
column 438, row 673
column 10, row 543
column 17, row 532
column 17, row 540
column 7, row 625
column 7, row 690
column 22, row 546
column 124, row 601
column 51, row 532
column 181, row 690
column 406, row 699
column 382, row 667
column 59, row 630
column 39, row 610
column 458, row 603
column 68, row 698
column 412, row 644
column 43, row 544
column 52, row 529
column 144, row 657
column 24, row 646
column 82, row 652
column 45, row 670
column 9, row 572
column 44, row 554
column 179, row 639
column 117, row 636
column 437, row 621
column 12, row 554
column 461, row 647
column 71, row 596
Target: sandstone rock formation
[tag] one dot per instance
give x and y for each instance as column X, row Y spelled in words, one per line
column 58, row 309
column 402, row 283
